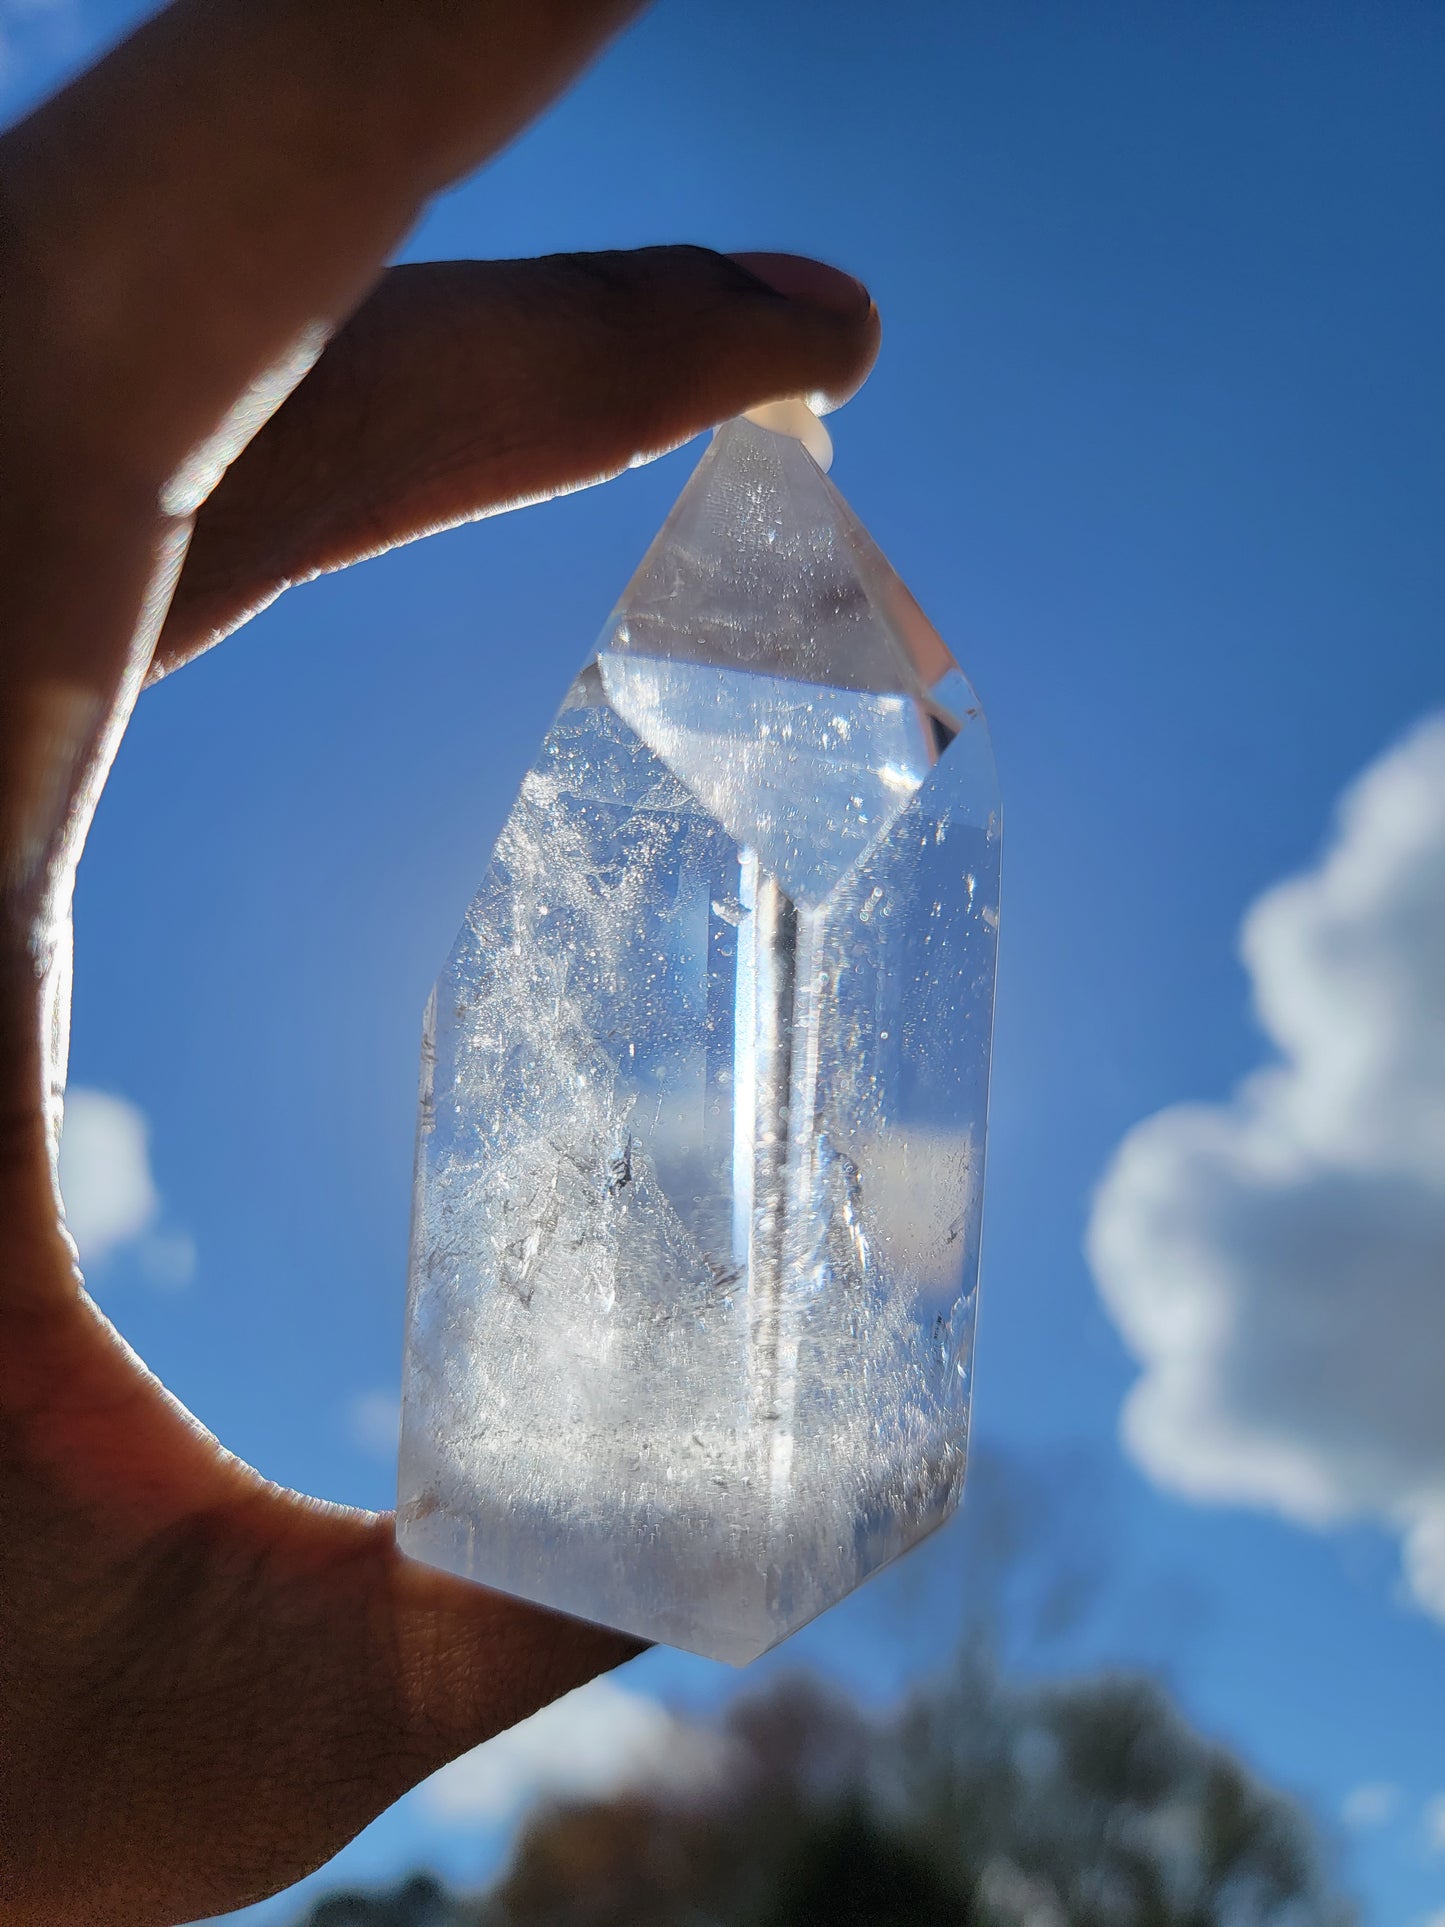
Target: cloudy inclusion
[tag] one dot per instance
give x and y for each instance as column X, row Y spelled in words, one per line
column 700, row 1156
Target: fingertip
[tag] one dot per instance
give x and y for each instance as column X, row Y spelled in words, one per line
column 833, row 394
column 798, row 277
column 817, row 292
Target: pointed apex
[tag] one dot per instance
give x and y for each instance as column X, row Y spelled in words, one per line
column 762, row 566
column 769, row 656
column 795, row 418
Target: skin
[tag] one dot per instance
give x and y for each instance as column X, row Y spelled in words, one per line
column 208, row 1683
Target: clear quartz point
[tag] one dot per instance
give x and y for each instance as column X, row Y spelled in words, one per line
column 704, row 1095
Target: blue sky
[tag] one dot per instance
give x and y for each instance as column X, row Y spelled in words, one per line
column 1155, row 439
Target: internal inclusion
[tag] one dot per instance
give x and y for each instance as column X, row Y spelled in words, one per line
column 805, row 780
column 771, row 1405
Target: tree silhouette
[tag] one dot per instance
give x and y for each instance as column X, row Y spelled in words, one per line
column 1085, row 1803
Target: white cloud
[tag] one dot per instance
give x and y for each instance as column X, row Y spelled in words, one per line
column 111, row 1201
column 593, row 1743
column 105, row 1172
column 1371, row 1805
column 373, row 1423
column 1277, row 1263
column 1435, row 1824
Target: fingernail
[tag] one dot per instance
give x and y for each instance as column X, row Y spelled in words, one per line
column 802, row 279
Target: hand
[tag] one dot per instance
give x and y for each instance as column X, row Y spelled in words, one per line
column 208, row 1684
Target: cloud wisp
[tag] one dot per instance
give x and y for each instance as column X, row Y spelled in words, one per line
column 601, row 1740
column 1374, row 1804
column 1277, row 1263
column 373, row 1423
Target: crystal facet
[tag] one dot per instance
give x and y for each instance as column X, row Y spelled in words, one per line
column 704, row 1094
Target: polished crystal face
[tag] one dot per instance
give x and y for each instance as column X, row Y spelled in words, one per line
column 704, row 1095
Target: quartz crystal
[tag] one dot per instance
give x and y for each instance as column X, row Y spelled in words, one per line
column 704, row 1093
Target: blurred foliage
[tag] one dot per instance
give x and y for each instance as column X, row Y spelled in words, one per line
column 982, row 1803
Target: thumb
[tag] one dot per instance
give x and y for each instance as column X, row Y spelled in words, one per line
column 462, row 388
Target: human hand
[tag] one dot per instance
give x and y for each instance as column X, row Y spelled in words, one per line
column 208, row 1684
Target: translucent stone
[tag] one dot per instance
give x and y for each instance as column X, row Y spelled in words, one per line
column 704, row 1094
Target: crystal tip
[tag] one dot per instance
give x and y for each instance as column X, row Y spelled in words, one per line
column 795, row 418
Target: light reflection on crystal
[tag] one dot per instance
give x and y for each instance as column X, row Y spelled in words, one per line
column 700, row 1155
column 806, row 778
